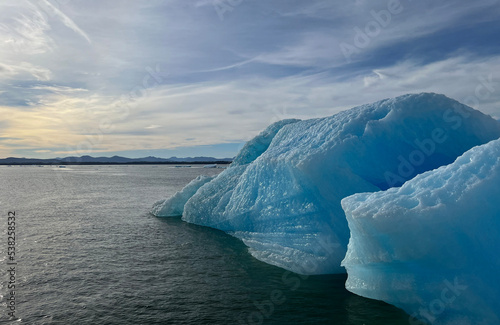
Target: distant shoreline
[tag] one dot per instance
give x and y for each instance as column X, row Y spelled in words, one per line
column 115, row 160
column 118, row 163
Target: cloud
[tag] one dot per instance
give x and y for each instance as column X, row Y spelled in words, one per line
column 228, row 67
column 23, row 30
column 208, row 114
column 170, row 74
column 24, row 70
column 58, row 89
column 153, row 126
column 54, row 12
column 233, row 111
column 373, row 78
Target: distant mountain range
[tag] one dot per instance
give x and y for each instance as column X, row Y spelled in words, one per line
column 88, row 160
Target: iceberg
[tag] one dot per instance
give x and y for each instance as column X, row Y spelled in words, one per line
column 174, row 206
column 282, row 193
column 430, row 247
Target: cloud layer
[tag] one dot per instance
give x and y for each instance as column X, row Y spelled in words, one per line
column 141, row 78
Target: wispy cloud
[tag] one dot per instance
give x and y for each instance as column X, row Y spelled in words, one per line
column 23, row 30
column 24, row 70
column 58, row 89
column 51, row 10
column 228, row 67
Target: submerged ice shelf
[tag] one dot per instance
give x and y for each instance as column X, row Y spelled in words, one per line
column 282, row 193
column 431, row 247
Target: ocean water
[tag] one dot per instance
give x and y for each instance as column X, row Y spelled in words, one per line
column 88, row 252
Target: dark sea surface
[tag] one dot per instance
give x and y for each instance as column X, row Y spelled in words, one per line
column 89, row 252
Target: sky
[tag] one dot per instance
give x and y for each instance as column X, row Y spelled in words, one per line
column 201, row 77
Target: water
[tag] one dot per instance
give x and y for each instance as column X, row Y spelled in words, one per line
column 89, row 252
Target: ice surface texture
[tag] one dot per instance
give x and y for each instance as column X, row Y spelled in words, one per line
column 174, row 206
column 282, row 193
column 431, row 247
